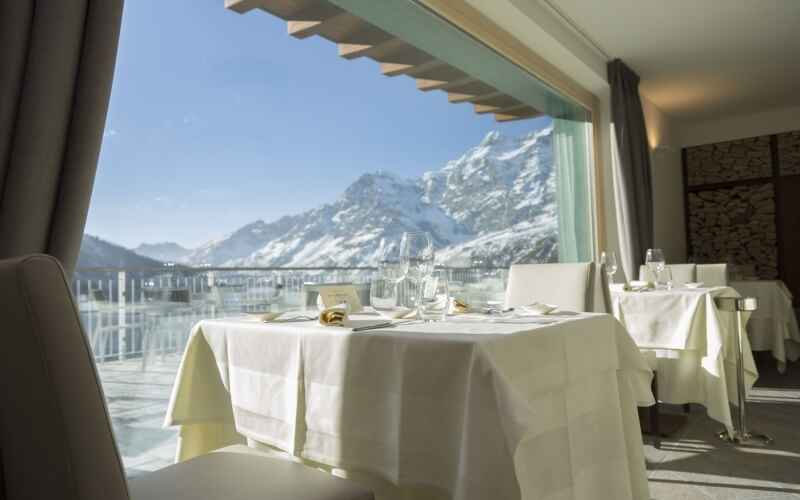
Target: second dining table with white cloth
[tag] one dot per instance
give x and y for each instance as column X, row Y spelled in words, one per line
column 773, row 326
column 476, row 406
column 693, row 342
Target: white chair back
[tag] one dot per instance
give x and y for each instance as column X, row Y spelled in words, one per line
column 579, row 286
column 713, row 274
column 683, row 273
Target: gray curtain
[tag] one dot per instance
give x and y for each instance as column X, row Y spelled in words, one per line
column 632, row 178
column 56, row 66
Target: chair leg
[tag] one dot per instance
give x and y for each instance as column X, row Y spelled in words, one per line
column 654, row 414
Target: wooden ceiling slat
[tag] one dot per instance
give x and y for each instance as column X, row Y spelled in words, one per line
column 376, row 51
column 394, row 69
column 531, row 113
column 509, row 109
column 329, row 27
column 280, row 8
column 456, row 97
column 426, row 84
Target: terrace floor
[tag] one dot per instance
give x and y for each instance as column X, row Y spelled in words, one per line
column 691, row 464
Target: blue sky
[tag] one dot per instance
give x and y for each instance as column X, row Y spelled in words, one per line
column 218, row 119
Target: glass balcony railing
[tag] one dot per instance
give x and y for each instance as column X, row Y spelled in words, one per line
column 146, row 312
column 139, row 319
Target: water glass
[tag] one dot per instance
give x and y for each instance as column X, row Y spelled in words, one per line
column 664, row 279
column 655, row 261
column 610, row 261
column 385, row 299
column 417, row 251
column 391, row 263
column 434, row 296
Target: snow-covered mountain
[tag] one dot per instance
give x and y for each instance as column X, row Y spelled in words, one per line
column 496, row 204
column 100, row 253
column 165, row 252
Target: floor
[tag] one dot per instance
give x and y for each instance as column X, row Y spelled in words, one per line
column 137, row 401
column 694, row 464
column 691, row 464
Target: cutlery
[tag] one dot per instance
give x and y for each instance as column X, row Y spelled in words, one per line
column 496, row 310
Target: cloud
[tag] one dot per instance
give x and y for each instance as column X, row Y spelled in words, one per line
column 110, row 133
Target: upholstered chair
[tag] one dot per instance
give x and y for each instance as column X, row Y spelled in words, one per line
column 713, row 274
column 56, row 438
column 579, row 286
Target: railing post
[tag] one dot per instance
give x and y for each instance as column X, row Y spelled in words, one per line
column 121, row 314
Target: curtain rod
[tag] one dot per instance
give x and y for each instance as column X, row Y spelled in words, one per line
column 577, row 28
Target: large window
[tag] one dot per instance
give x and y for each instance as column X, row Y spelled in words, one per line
column 240, row 165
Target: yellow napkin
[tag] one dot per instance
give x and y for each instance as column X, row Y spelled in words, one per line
column 458, row 306
column 638, row 286
column 334, row 316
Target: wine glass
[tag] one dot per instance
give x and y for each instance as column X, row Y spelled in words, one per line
column 391, row 263
column 417, row 251
column 610, row 260
column 655, row 261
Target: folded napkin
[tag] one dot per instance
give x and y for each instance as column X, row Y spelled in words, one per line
column 538, row 308
column 334, row 316
column 458, row 306
column 693, row 284
column 638, row 286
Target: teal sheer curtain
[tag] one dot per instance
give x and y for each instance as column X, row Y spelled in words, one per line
column 571, row 139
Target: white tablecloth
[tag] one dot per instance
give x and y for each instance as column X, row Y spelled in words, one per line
column 773, row 327
column 540, row 408
column 694, row 345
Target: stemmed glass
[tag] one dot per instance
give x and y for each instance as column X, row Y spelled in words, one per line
column 610, row 260
column 417, row 251
column 655, row 261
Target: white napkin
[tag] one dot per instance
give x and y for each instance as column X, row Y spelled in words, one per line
column 638, row 286
column 264, row 316
column 693, row 284
column 538, row 309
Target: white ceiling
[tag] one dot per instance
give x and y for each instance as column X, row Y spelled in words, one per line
column 701, row 59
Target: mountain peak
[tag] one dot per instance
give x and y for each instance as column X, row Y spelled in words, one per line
column 495, row 137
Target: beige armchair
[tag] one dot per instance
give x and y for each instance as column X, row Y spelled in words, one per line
column 713, row 274
column 578, row 286
column 55, row 434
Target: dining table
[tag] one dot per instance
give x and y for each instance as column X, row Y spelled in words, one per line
column 773, row 326
column 693, row 342
column 478, row 406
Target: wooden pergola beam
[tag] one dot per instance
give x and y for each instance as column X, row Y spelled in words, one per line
column 530, row 113
column 425, row 84
column 455, row 97
column 380, row 49
column 306, row 28
column 394, row 69
column 487, row 108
